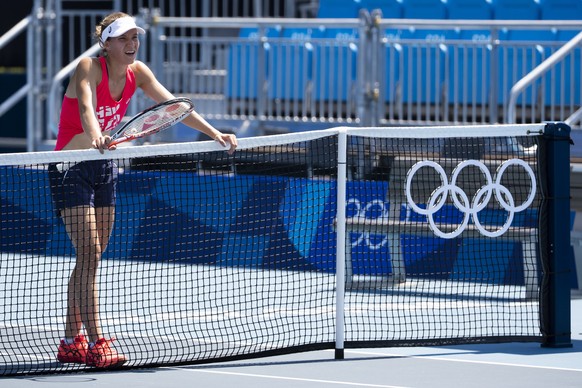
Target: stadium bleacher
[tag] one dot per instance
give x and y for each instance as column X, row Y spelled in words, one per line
column 430, row 62
column 420, row 65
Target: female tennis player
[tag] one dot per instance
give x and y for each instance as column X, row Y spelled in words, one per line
column 84, row 194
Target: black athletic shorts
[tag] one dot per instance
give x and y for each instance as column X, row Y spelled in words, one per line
column 92, row 183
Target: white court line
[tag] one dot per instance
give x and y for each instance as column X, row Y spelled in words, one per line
column 464, row 361
column 287, row 378
column 26, row 357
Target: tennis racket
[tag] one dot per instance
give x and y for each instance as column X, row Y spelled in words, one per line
column 153, row 120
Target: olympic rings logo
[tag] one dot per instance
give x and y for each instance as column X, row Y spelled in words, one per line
column 377, row 208
column 480, row 200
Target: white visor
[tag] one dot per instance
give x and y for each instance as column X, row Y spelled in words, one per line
column 119, row 27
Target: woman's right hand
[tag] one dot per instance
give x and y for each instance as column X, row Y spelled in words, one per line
column 101, row 143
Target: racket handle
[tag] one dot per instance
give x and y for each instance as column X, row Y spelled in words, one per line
column 118, row 141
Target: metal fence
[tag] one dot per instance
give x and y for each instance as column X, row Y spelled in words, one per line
column 286, row 75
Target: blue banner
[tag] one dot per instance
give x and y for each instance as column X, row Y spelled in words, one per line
column 288, row 225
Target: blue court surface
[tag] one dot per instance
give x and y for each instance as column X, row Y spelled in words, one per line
column 490, row 365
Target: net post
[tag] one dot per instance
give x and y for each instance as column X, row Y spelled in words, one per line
column 340, row 244
column 555, row 293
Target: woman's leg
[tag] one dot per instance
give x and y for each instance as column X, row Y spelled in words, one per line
column 89, row 230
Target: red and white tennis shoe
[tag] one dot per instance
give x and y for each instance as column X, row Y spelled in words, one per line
column 73, row 353
column 101, row 355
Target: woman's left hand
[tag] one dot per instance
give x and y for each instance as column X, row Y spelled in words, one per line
column 225, row 138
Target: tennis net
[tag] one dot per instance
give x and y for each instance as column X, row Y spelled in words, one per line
column 318, row 240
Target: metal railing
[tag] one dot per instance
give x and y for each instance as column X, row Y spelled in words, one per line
column 556, row 58
column 20, row 28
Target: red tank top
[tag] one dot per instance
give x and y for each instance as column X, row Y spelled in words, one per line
column 109, row 112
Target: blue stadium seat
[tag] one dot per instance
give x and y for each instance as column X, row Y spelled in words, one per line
column 569, row 69
column 516, row 9
column 424, row 9
column 291, row 64
column 561, row 9
column 424, row 54
column 469, row 9
column 520, row 10
column 335, row 64
column 242, row 67
column 391, row 9
column 338, row 9
column 469, row 64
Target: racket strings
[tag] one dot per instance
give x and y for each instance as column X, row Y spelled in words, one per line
column 158, row 119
